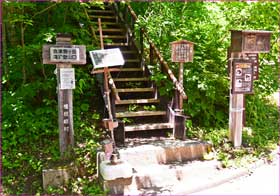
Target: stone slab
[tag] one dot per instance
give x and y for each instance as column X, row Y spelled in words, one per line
column 56, row 177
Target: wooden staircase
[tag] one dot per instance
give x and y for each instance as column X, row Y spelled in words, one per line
column 135, row 102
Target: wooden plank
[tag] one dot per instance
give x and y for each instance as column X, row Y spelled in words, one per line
column 136, row 101
column 114, row 36
column 115, row 44
column 103, row 17
column 131, row 69
column 130, row 79
column 140, row 113
column 129, row 51
column 132, row 60
column 114, row 30
column 153, row 126
column 101, row 11
column 133, row 90
column 107, row 23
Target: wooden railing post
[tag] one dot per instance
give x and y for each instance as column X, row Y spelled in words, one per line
column 151, row 55
column 141, row 43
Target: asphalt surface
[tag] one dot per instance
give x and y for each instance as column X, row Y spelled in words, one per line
column 263, row 180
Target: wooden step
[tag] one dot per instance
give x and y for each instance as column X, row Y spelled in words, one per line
column 113, row 36
column 152, row 126
column 132, row 60
column 102, row 17
column 106, row 23
column 139, row 114
column 130, row 79
column 129, row 52
column 115, row 44
column 113, row 30
column 136, row 101
column 131, row 69
column 134, row 90
column 101, row 11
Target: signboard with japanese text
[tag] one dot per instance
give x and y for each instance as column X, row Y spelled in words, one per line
column 67, row 78
column 182, row 51
column 106, row 58
column 242, row 76
column 68, row 54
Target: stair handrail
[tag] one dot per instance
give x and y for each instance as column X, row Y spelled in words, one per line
column 108, row 80
column 154, row 49
column 91, row 27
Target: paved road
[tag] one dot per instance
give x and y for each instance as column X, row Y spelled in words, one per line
column 263, row 181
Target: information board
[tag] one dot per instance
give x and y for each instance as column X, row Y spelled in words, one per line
column 67, row 54
column 182, row 51
column 64, row 54
column 242, row 76
column 106, row 58
column 254, row 57
column 67, row 78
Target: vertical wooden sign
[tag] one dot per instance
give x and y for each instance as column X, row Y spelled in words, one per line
column 63, row 54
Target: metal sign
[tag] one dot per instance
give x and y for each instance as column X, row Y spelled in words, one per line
column 106, row 58
column 242, row 76
column 250, row 41
column 182, row 51
column 254, row 57
column 56, row 54
column 67, row 78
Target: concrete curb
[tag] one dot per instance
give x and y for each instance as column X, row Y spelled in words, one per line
column 240, row 173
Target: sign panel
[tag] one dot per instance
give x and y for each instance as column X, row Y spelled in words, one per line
column 64, row 54
column 254, row 57
column 67, row 78
column 250, row 41
column 182, row 51
column 68, row 54
column 242, row 77
column 106, row 58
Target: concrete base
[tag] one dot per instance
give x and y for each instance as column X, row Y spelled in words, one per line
column 155, row 164
column 56, row 177
column 141, row 153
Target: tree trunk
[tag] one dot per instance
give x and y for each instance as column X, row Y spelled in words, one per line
column 4, row 41
column 23, row 48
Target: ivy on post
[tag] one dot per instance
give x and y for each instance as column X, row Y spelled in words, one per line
column 64, row 54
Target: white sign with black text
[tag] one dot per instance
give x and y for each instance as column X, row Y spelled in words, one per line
column 67, row 78
column 106, row 58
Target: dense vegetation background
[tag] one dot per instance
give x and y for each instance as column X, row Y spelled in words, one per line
column 29, row 126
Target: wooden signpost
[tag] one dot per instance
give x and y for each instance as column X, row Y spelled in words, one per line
column 182, row 51
column 243, row 69
column 63, row 54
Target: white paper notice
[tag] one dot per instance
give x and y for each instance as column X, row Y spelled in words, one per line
column 106, row 58
column 67, row 78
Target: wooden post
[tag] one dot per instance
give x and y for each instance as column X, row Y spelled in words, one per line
column 63, row 54
column 65, row 114
column 181, row 78
column 235, row 111
column 65, row 106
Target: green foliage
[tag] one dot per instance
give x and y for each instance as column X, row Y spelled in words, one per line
column 207, row 25
column 29, row 125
